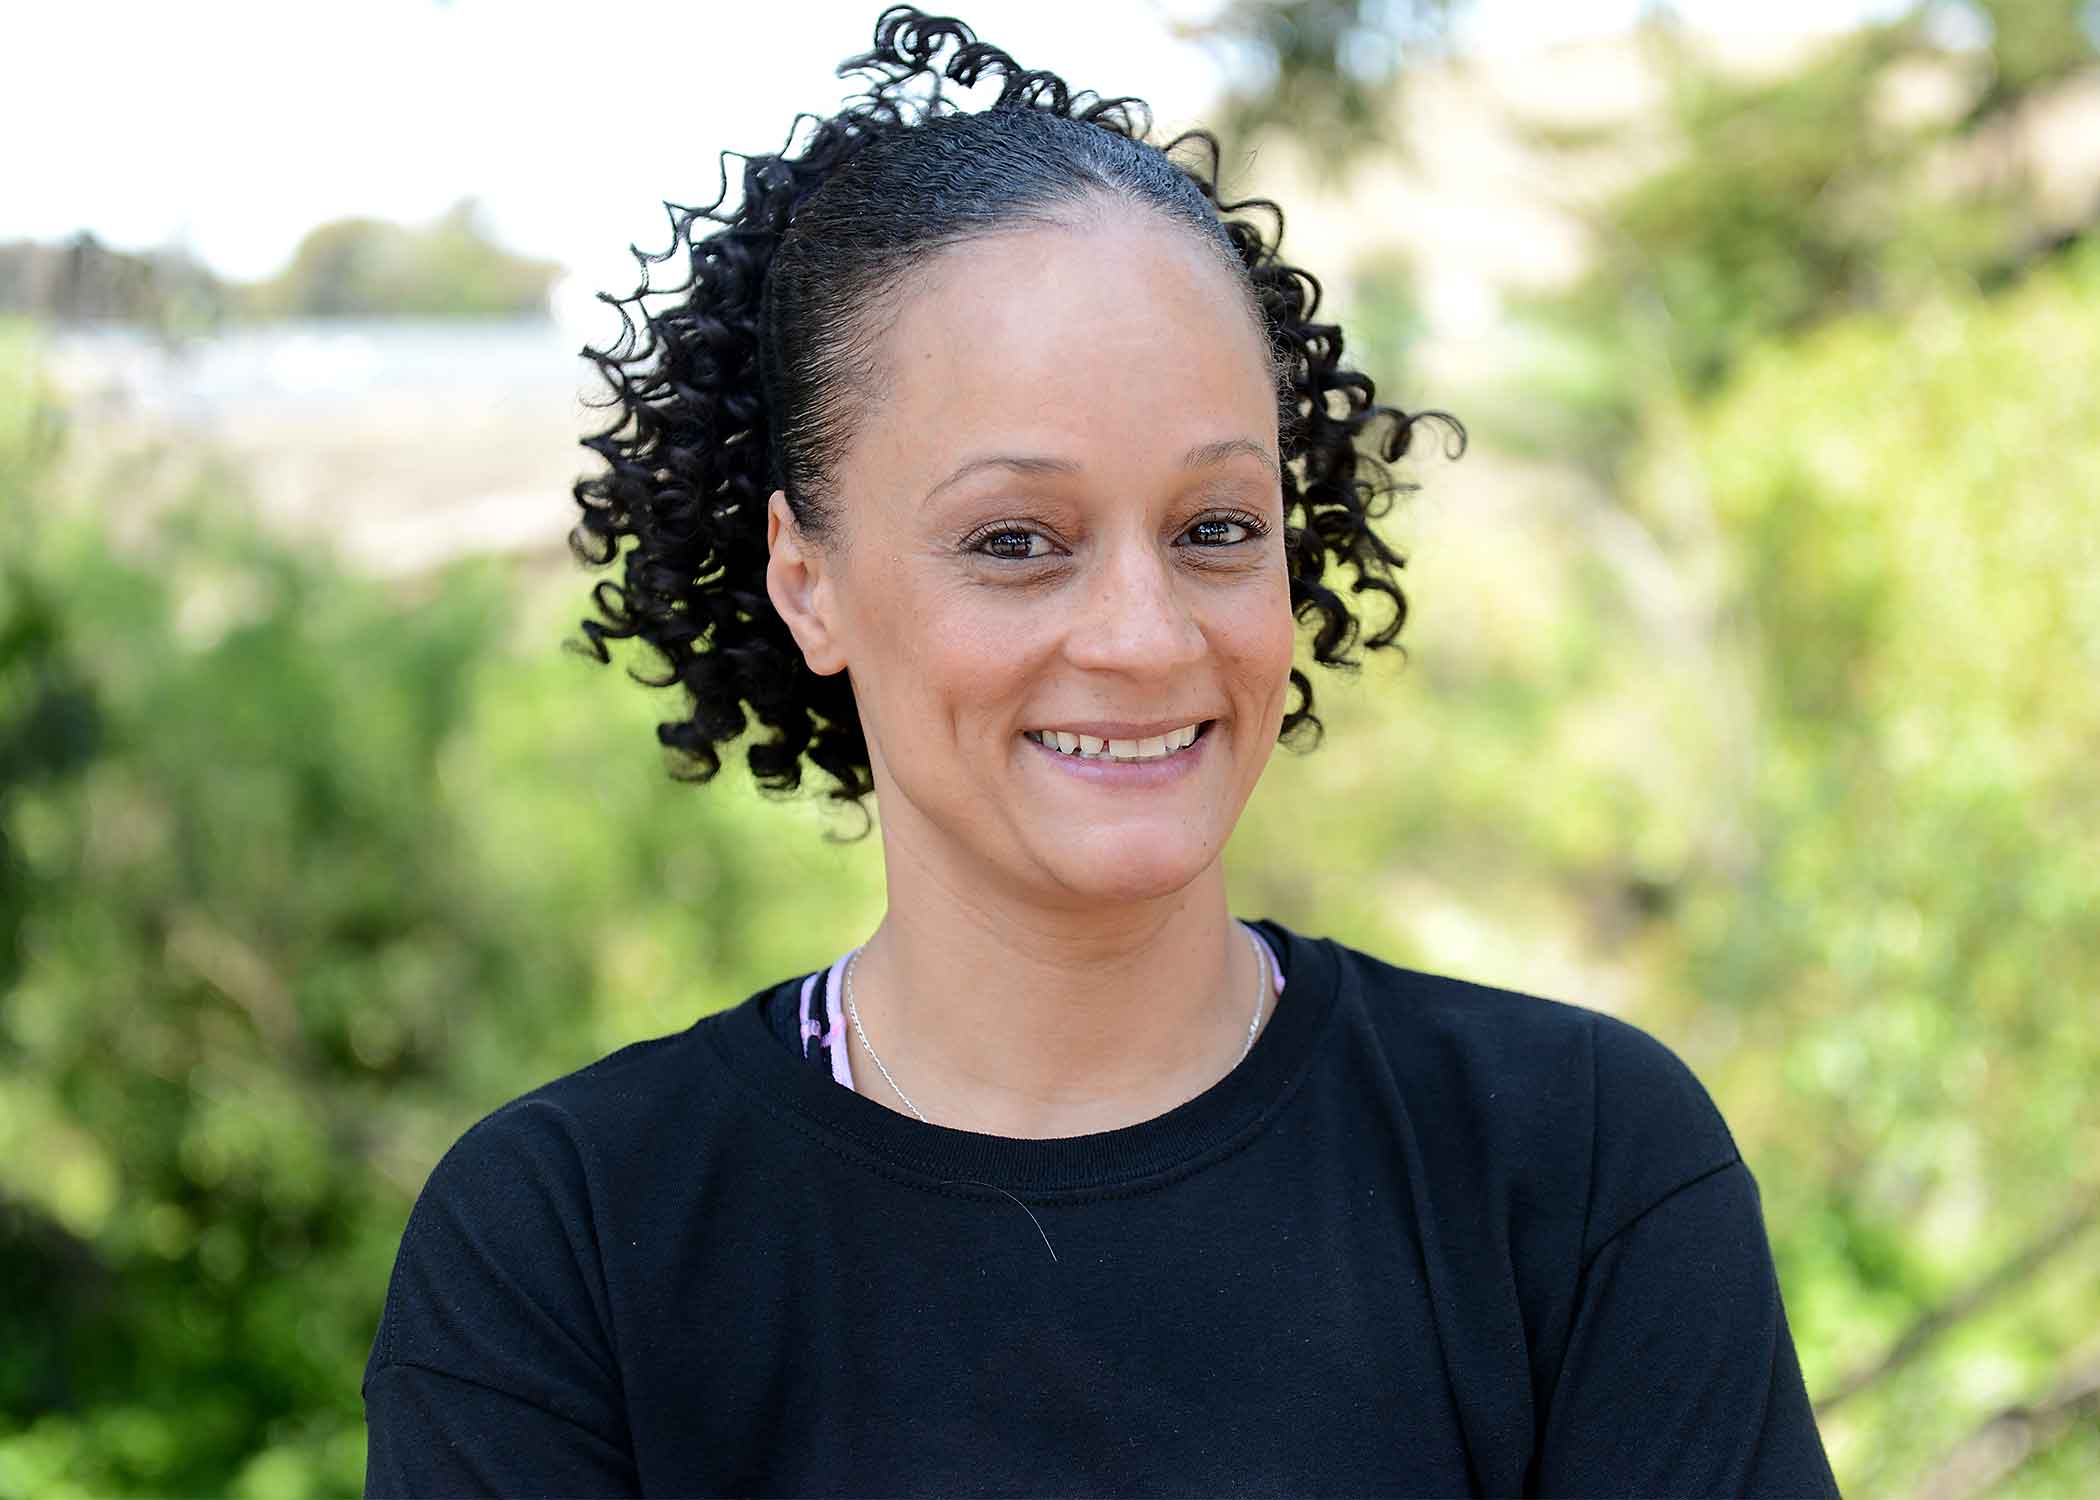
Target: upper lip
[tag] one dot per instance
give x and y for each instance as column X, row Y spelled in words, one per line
column 1119, row 729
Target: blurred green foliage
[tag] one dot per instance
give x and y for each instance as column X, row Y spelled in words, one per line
column 1322, row 70
column 2032, row 43
column 450, row 268
column 302, row 876
column 1795, row 200
column 1914, row 919
column 1880, row 171
column 83, row 280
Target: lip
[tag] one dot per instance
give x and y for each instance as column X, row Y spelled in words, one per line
column 1132, row 773
column 1125, row 729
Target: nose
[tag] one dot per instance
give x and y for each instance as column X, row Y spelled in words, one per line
column 1136, row 616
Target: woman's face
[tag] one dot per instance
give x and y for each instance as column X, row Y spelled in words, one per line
column 1059, row 549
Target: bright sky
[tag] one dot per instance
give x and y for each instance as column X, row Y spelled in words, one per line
column 233, row 126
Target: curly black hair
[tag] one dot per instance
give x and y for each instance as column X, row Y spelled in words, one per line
column 748, row 383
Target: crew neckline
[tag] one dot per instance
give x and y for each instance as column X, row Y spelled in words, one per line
column 1181, row 1140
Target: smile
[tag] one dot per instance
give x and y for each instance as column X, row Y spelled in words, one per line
column 1092, row 747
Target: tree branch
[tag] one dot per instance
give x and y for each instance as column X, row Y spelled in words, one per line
column 2059, row 1237
column 2011, row 1437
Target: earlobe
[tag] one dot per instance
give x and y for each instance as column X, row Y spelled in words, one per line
column 798, row 583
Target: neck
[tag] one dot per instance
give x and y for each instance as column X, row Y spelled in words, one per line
column 1011, row 1018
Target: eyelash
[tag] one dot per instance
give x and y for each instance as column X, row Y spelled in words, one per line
column 1253, row 525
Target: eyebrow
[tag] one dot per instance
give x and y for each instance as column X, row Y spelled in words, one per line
column 1203, row 455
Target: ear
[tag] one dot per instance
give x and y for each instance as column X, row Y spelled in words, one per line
column 799, row 581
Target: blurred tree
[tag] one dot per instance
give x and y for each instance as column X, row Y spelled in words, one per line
column 83, row 280
column 1906, row 503
column 372, row 268
column 2032, row 44
column 1322, row 71
column 1794, row 199
column 299, row 875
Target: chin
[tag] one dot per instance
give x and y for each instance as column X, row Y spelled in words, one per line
column 1126, row 864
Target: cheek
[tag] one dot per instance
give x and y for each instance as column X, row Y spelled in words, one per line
column 1263, row 642
column 942, row 656
column 974, row 661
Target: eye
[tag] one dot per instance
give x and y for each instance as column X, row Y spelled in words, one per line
column 1011, row 544
column 1224, row 531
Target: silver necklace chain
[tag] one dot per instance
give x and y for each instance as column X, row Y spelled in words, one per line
column 1261, row 989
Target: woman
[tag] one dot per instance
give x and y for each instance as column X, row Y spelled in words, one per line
column 989, row 462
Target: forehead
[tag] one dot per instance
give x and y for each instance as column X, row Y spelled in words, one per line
column 1113, row 340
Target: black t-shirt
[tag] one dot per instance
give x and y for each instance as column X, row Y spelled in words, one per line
column 1427, row 1238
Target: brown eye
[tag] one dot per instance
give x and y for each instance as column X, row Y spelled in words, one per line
column 1219, row 531
column 1012, row 545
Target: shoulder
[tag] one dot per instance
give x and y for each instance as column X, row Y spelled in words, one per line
column 505, row 1243
column 1548, row 1080
column 585, row 1108
column 551, row 1144
column 619, row 1113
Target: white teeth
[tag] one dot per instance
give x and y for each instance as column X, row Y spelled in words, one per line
column 1088, row 747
